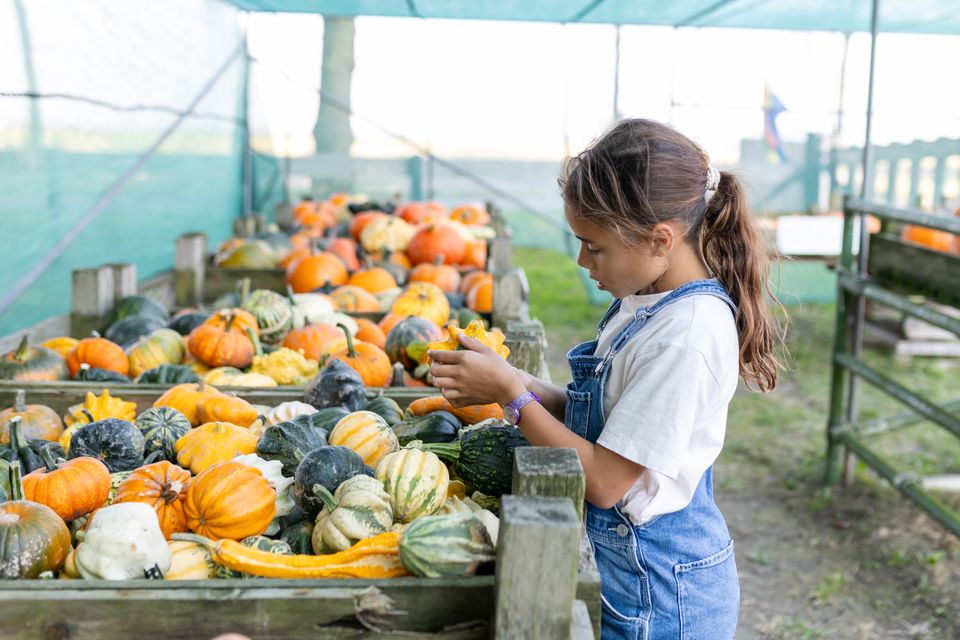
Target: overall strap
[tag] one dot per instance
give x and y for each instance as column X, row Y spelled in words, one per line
column 686, row 290
column 609, row 313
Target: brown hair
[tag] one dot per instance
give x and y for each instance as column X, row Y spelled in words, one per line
column 641, row 173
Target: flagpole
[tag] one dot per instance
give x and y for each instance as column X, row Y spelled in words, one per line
column 866, row 191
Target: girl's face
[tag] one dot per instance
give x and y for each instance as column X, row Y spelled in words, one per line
column 616, row 267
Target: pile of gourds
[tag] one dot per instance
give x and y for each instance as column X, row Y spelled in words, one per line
column 204, row 484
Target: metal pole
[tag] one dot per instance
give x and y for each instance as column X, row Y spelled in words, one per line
column 616, row 79
column 866, row 188
column 247, row 176
column 835, row 140
column 28, row 69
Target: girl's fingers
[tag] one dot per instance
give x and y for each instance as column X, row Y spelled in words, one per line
column 444, row 370
column 471, row 343
column 446, row 357
column 447, row 384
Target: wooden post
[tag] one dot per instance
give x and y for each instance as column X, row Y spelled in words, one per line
column 283, row 215
column 527, row 341
column 545, row 471
column 92, row 297
column 189, row 266
column 536, row 567
column 259, row 223
column 245, row 227
column 510, row 292
column 124, row 280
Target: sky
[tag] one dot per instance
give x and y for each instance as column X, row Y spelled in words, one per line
column 476, row 89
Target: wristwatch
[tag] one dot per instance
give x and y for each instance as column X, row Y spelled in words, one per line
column 511, row 411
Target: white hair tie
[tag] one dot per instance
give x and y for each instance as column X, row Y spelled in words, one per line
column 713, row 181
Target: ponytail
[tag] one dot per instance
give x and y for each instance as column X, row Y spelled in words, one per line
column 735, row 254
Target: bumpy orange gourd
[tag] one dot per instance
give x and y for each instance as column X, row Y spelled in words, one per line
column 62, row 345
column 423, row 299
column 186, row 399
column 100, row 407
column 211, row 443
column 99, row 353
column 163, row 486
column 222, row 340
column 475, row 330
column 367, row 359
column 229, row 500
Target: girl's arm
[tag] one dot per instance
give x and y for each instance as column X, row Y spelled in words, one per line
column 477, row 375
column 552, row 397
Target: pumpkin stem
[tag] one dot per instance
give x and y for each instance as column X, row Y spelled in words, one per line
column 16, row 481
column 49, row 461
column 351, row 350
column 207, row 543
column 17, row 441
column 244, row 290
column 20, row 401
column 396, row 378
column 439, row 260
column 257, row 349
column 23, row 351
column 229, row 325
column 89, row 415
column 446, row 450
column 324, row 494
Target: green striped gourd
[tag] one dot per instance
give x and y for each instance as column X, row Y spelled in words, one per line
column 273, row 313
column 416, row 482
column 357, row 510
column 161, row 428
column 446, row 546
column 368, row 434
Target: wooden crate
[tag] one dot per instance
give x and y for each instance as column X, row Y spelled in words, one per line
column 545, row 586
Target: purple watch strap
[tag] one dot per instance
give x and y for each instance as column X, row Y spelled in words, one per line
column 520, row 401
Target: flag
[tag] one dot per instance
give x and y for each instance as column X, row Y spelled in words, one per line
column 772, row 107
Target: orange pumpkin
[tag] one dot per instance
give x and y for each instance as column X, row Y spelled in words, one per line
column 472, row 279
column 931, row 238
column 398, row 258
column 186, row 399
column 316, row 271
column 366, row 359
column 470, row 214
column 389, row 321
column 352, row 298
column 39, row 422
column 423, row 299
column 222, row 340
column 294, row 257
column 163, row 486
column 226, row 407
column 443, row 275
column 99, row 353
column 480, row 297
column 373, row 280
column 346, row 250
column 361, row 220
column 230, row 500
column 312, row 339
column 214, row 442
column 421, row 212
column 371, row 332
column 475, row 254
column 72, row 488
column 436, row 240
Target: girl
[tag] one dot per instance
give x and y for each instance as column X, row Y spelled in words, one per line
column 670, row 237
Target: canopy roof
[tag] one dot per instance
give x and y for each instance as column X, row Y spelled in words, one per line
column 903, row 16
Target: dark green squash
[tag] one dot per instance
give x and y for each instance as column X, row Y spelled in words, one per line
column 337, row 385
column 328, row 467
column 127, row 331
column 5, row 490
column 401, row 335
column 115, row 442
column 161, row 428
column 184, row 323
column 171, row 374
column 289, row 442
column 438, row 426
column 456, row 300
column 325, row 419
column 134, row 306
column 466, row 315
column 385, row 407
column 482, row 456
column 299, row 536
column 28, row 452
column 33, row 363
column 95, row 374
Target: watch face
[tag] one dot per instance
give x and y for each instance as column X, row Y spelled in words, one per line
column 510, row 414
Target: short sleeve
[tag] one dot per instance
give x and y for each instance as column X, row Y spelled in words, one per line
column 652, row 421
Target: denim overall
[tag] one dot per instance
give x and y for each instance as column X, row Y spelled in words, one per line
column 673, row 576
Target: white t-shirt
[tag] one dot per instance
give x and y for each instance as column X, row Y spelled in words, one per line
column 666, row 396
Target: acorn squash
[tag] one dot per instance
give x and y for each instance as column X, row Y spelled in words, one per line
column 327, row 467
column 115, row 442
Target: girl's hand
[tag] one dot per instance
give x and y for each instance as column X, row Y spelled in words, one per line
column 476, row 375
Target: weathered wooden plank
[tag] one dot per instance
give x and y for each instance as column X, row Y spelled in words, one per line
column 510, row 291
column 92, row 297
column 160, row 287
column 536, row 567
column 546, row 471
column 914, row 270
column 527, row 341
column 581, row 627
column 267, row 609
column 124, row 279
column 189, row 269
column 60, row 395
column 220, row 280
column 283, row 215
column 44, row 330
column 588, row 580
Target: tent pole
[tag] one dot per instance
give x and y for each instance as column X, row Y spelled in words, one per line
column 616, row 78
column 866, row 190
column 247, row 175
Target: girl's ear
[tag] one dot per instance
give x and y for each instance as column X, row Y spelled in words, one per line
column 663, row 238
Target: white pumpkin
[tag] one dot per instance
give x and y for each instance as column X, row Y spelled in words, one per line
column 357, row 510
column 287, row 411
column 123, row 542
column 309, row 306
column 335, row 317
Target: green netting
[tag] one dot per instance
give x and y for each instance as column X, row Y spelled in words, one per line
column 904, row 16
column 80, row 109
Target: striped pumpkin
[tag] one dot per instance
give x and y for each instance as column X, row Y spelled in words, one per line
column 161, row 428
column 357, row 510
column 366, row 433
column 446, row 546
column 416, row 482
